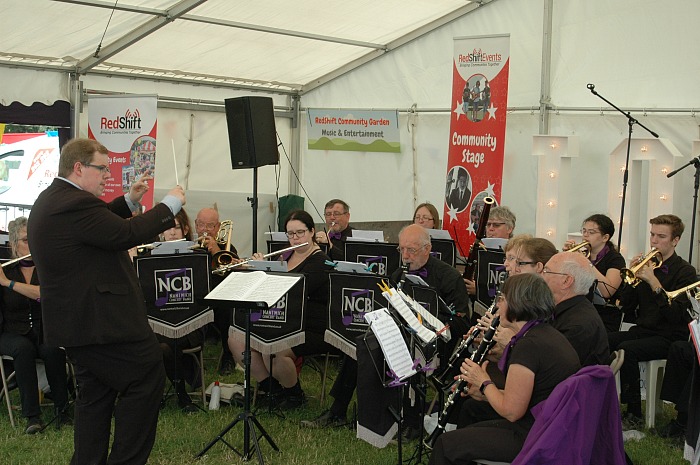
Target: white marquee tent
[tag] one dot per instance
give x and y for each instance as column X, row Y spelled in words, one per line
column 387, row 54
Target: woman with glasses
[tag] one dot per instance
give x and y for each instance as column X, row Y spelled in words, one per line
column 426, row 215
column 597, row 230
column 312, row 262
column 537, row 359
column 21, row 334
column 528, row 255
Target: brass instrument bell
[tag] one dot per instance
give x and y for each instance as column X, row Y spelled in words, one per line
column 629, row 275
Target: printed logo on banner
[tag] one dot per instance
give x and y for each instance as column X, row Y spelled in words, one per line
column 130, row 120
column 277, row 313
column 375, row 264
column 174, row 287
column 356, row 302
column 497, row 276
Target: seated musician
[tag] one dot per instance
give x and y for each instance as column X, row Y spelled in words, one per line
column 177, row 367
column 659, row 323
column 311, row 261
column 426, row 215
column 500, row 224
column 207, row 225
column 21, row 333
column 337, row 216
column 597, row 230
column 536, row 361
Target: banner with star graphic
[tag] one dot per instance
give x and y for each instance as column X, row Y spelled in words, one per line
column 477, row 133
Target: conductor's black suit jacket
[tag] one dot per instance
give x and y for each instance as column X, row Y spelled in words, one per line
column 89, row 289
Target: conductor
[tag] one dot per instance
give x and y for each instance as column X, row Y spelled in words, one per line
column 92, row 303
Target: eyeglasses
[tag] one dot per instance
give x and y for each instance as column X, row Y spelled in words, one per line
column 102, row 168
column 409, row 250
column 548, row 271
column 297, row 233
column 509, row 258
column 423, row 218
column 203, row 225
column 587, row 232
column 334, row 214
column 526, row 263
column 494, row 224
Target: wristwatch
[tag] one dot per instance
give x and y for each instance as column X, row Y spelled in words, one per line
column 482, row 388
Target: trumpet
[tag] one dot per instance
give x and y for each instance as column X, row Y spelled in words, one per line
column 221, row 270
column 629, row 275
column 15, row 260
column 224, row 257
column 584, row 248
column 673, row 294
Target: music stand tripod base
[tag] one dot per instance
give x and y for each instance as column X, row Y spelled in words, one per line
column 250, row 423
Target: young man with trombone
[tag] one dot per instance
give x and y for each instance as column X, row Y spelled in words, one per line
column 660, row 318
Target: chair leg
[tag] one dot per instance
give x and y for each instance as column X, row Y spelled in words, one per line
column 324, row 378
column 6, row 392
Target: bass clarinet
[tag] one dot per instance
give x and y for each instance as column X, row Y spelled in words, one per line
column 472, row 259
column 461, row 348
column 478, row 357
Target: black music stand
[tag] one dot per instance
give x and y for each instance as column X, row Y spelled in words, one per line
column 250, row 423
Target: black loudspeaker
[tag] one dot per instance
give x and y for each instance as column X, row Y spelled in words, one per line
column 251, row 132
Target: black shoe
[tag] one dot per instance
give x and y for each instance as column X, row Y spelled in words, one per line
column 293, row 401
column 672, row 430
column 325, row 420
column 34, row 425
column 632, row 422
column 63, row 418
column 227, row 367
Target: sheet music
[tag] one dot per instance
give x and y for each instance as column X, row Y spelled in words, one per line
column 392, row 343
column 694, row 327
column 397, row 302
column 255, row 286
column 427, row 316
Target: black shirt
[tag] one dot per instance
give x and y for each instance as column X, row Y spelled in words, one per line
column 577, row 319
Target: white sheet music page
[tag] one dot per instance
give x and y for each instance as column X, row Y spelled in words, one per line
column 397, row 302
column 255, row 286
column 392, row 343
column 428, row 317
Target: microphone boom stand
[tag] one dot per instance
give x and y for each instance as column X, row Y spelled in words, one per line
column 630, row 123
column 696, row 162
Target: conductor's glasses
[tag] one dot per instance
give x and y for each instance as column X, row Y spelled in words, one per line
column 297, row 233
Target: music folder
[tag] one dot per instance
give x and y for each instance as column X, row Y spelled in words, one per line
column 255, row 289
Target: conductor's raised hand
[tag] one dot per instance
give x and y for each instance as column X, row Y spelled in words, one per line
column 139, row 188
column 178, row 192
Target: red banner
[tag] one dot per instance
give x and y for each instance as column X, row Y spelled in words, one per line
column 477, row 133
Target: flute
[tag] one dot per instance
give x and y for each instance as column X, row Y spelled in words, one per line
column 15, row 260
column 223, row 269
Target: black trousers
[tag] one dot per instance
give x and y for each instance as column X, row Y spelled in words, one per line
column 640, row 345
column 344, row 386
column 131, row 372
column 25, row 349
column 677, row 379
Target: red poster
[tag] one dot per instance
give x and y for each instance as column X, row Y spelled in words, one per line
column 477, row 133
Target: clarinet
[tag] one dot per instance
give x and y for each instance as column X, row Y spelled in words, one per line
column 477, row 357
column 463, row 346
column 402, row 276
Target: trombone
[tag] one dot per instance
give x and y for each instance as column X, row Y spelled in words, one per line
column 673, row 294
column 221, row 270
column 629, row 275
column 223, row 236
column 584, row 248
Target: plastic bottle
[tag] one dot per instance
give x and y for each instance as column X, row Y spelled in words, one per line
column 215, row 397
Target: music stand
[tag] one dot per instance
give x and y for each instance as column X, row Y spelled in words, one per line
column 246, row 416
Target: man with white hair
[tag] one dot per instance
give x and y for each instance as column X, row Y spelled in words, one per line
column 570, row 277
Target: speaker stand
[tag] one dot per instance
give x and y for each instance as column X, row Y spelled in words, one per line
column 254, row 205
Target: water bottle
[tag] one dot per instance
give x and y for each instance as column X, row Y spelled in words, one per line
column 215, row 396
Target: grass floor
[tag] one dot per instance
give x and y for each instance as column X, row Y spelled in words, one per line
column 181, row 437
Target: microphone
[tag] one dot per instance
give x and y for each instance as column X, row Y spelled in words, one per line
column 590, row 86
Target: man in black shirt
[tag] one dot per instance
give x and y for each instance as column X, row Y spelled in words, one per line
column 659, row 322
column 337, row 216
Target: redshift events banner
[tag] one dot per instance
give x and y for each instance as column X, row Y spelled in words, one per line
column 126, row 125
column 477, row 133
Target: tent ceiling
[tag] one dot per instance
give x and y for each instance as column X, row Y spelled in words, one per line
column 277, row 45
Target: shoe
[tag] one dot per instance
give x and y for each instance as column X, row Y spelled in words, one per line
column 325, row 420
column 632, row 422
column 189, row 408
column 227, row 367
column 672, row 430
column 293, row 401
column 34, row 425
column 63, row 419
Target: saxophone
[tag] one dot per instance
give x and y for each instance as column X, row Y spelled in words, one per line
column 478, row 357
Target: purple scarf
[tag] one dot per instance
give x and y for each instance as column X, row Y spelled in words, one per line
column 514, row 340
